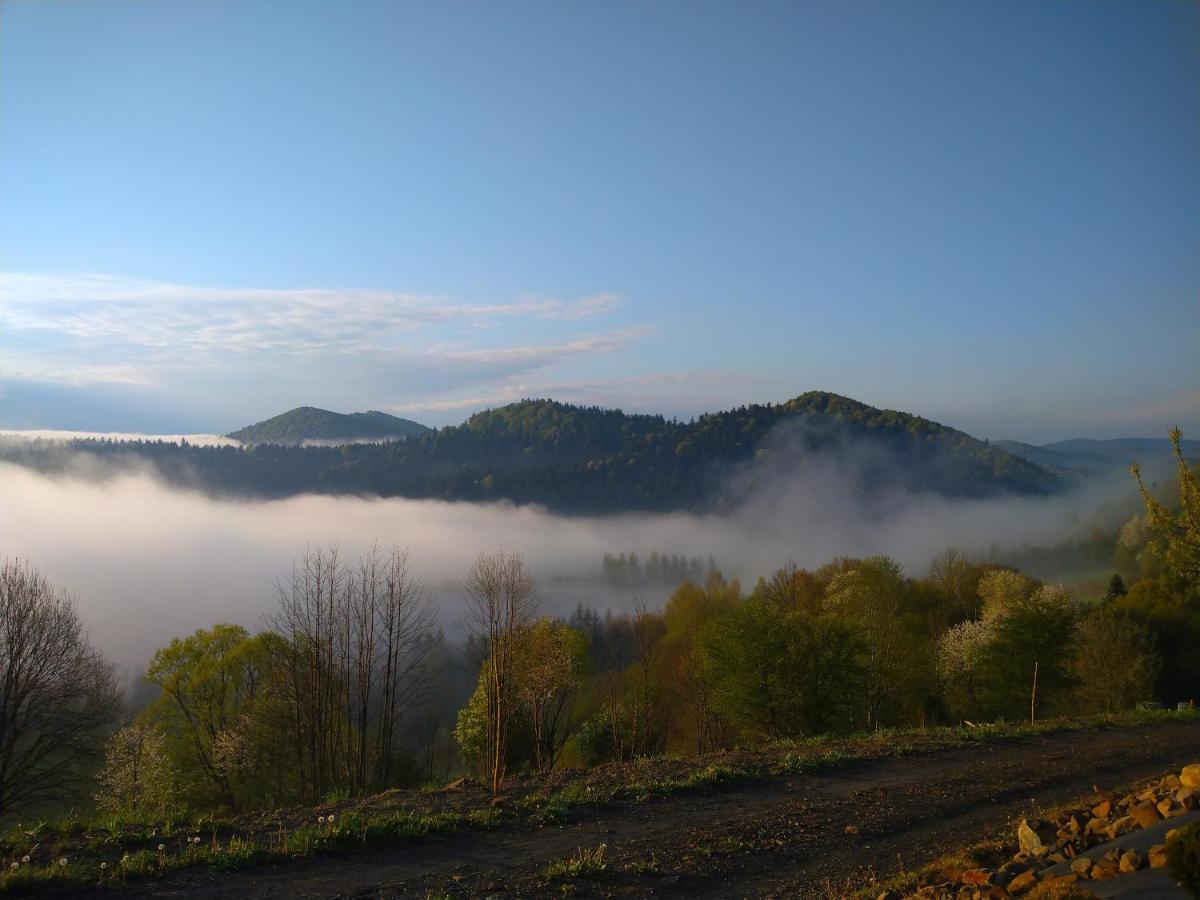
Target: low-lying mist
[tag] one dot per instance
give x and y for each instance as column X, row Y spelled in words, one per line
column 148, row 562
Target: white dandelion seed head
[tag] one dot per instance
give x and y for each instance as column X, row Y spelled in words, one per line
column 104, row 865
column 24, row 859
column 62, row 861
column 162, row 847
column 321, row 820
column 15, row 866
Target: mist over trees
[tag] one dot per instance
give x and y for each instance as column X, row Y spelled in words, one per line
column 350, row 688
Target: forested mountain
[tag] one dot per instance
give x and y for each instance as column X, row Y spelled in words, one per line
column 307, row 423
column 587, row 459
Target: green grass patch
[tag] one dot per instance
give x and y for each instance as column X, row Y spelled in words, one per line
column 584, row 863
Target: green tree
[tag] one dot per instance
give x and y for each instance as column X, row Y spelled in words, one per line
column 209, row 682
column 1024, row 663
column 875, row 598
column 1114, row 661
column 138, row 781
column 1177, row 532
column 780, row 674
column 549, row 669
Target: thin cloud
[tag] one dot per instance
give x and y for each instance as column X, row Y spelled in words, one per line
column 166, row 317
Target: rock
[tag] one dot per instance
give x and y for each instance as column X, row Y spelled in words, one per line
column 1190, row 776
column 1096, row 826
column 851, row 829
column 1035, row 836
column 1188, row 798
column 1073, row 825
column 1022, row 882
column 1105, row 868
column 1157, row 856
column 1171, row 835
column 1164, row 808
column 977, row 877
column 1171, row 783
column 456, row 785
column 1131, row 861
column 1145, row 814
column 1081, row 866
column 1102, row 809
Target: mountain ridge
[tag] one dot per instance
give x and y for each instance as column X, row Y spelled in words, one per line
column 590, row 460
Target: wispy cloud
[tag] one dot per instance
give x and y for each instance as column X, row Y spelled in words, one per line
column 162, row 317
column 241, row 351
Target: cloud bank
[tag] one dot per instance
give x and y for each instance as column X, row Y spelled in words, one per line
column 149, row 563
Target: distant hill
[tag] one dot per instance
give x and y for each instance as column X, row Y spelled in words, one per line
column 1086, row 458
column 307, row 423
column 587, row 459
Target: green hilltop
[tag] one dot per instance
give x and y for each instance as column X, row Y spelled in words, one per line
column 308, row 423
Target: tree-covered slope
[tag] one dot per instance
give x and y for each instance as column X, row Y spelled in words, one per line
column 587, row 459
column 307, row 423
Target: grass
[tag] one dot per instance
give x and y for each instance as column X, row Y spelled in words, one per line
column 99, row 859
column 584, row 863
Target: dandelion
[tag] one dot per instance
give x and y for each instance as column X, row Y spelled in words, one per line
column 162, row 847
column 329, row 818
column 25, row 859
column 103, row 866
column 196, row 839
column 62, row 862
column 320, row 820
column 15, row 866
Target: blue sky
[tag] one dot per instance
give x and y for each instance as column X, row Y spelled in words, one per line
column 985, row 213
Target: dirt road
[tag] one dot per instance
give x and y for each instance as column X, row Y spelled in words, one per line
column 783, row 836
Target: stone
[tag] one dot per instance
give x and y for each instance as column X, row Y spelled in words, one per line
column 1022, row 882
column 1081, row 866
column 1096, row 826
column 1062, row 880
column 1164, row 808
column 1145, row 814
column 457, row 785
column 1035, row 836
column 1131, row 861
column 1102, row 809
column 1157, row 856
column 977, row 877
column 1190, row 776
column 1171, row 835
column 1188, row 798
column 1073, row 825
column 1104, row 868
column 851, row 829
column 1171, row 783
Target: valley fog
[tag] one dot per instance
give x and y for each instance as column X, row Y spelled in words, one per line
column 148, row 562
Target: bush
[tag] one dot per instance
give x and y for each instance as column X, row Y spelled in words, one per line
column 1183, row 858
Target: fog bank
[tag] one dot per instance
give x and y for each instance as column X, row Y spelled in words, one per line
column 148, row 562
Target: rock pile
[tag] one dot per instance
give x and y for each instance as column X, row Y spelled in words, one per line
column 1052, row 851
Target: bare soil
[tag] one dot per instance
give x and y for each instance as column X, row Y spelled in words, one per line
column 821, row 835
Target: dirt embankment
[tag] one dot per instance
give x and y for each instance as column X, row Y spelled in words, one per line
column 780, row 836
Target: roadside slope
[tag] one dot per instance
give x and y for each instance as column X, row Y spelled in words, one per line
column 775, row 836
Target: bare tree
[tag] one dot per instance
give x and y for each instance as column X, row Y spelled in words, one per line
column 58, row 697
column 356, row 647
column 500, row 606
